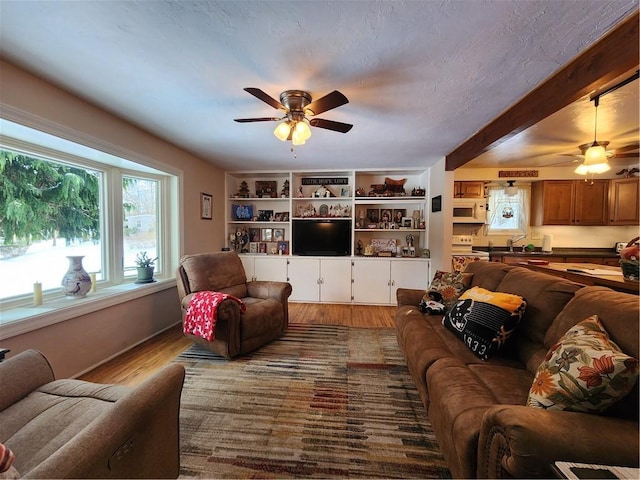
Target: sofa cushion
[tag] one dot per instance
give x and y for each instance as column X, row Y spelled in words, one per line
column 546, row 297
column 450, row 285
column 484, row 320
column 487, row 274
column 218, row 272
column 584, row 372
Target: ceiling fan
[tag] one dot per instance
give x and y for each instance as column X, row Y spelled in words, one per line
column 627, row 151
column 297, row 106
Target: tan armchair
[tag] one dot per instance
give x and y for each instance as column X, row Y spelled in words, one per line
column 266, row 317
column 75, row 429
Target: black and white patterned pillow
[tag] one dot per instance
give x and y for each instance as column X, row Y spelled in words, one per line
column 484, row 320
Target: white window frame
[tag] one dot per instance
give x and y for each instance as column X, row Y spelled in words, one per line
column 524, row 191
column 17, row 315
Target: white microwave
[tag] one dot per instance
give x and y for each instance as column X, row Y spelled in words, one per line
column 468, row 210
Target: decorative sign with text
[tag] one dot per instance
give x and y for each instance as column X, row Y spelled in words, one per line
column 517, row 173
column 325, row 181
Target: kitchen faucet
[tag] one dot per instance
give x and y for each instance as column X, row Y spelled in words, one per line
column 513, row 240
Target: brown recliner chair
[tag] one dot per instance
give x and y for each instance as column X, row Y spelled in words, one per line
column 266, row 317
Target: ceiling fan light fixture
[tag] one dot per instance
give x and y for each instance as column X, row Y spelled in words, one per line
column 595, row 157
column 595, row 154
column 282, row 131
column 302, row 129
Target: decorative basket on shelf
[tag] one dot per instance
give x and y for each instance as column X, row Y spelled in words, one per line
column 629, row 262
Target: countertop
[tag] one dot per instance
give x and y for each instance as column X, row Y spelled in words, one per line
column 557, row 252
column 589, row 274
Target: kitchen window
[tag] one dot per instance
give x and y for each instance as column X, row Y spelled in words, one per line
column 508, row 214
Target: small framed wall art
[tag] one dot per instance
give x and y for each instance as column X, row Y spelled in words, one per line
column 206, row 210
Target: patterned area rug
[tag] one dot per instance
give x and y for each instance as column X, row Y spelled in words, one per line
column 322, row 402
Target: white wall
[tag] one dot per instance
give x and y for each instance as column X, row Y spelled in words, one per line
column 440, row 223
column 75, row 345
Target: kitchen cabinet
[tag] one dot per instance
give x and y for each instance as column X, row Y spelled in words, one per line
column 320, row 279
column 468, row 189
column 375, row 280
column 570, row 202
column 624, row 201
column 273, row 268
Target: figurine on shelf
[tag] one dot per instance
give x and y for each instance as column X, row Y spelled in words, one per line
column 409, row 239
column 244, row 190
column 300, row 194
column 359, row 247
column 285, row 189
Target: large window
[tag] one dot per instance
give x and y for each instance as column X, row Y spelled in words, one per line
column 48, row 210
column 140, row 230
column 55, row 204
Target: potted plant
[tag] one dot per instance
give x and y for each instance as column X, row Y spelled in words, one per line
column 144, row 265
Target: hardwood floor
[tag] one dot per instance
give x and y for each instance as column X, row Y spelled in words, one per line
column 139, row 363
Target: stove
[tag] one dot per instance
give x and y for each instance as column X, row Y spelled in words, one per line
column 462, row 253
column 463, row 245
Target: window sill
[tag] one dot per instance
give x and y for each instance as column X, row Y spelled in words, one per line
column 17, row 321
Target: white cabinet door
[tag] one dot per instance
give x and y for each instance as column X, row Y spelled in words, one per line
column 304, row 276
column 409, row 274
column 265, row 268
column 371, row 281
column 271, row 268
column 335, row 280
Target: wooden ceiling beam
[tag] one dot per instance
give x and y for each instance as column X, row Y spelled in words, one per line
column 614, row 55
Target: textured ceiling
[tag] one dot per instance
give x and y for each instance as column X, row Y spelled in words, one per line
column 421, row 76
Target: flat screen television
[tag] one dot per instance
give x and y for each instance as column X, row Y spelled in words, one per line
column 321, row 237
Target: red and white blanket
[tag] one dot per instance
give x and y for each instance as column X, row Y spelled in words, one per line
column 202, row 313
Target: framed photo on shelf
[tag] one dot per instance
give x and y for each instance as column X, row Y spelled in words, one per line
column 407, row 222
column 385, row 215
column 283, row 248
column 278, row 234
column 265, row 215
column 254, row 234
column 344, row 191
column 242, row 212
column 373, row 215
column 267, row 189
column 253, row 247
column 266, row 234
column 398, row 215
column 206, row 206
column 262, row 247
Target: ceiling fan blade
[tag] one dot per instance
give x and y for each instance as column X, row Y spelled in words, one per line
column 330, row 125
column 627, row 148
column 259, row 94
column 565, row 162
column 329, row 101
column 627, row 155
column 261, row 119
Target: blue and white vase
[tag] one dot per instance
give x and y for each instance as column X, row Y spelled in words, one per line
column 76, row 282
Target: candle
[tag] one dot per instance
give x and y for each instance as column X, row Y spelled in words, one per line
column 94, row 286
column 37, row 293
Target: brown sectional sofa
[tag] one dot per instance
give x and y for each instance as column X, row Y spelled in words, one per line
column 478, row 408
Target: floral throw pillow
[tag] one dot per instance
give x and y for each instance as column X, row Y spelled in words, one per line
column 584, row 372
column 449, row 286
